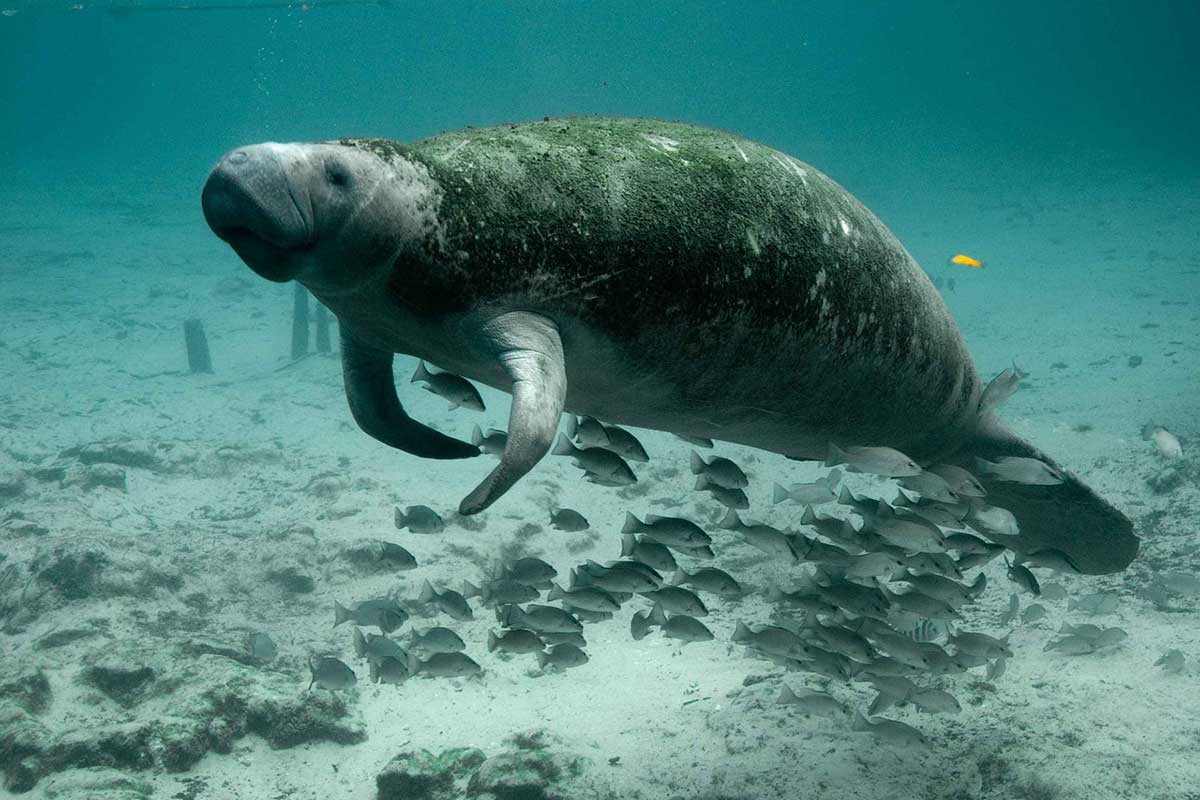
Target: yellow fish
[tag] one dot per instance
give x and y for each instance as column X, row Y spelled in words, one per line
column 966, row 261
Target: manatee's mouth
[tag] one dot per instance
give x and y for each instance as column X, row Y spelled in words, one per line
column 249, row 201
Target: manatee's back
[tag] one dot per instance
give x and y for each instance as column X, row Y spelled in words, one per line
column 743, row 277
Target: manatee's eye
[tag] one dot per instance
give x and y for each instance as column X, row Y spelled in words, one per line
column 338, row 175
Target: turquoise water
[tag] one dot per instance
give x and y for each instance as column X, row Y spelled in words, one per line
column 152, row 520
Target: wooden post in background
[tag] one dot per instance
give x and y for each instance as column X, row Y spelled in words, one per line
column 199, row 359
column 299, row 322
column 323, row 343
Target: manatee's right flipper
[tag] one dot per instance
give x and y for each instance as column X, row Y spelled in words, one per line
column 1069, row 516
column 371, row 390
column 529, row 350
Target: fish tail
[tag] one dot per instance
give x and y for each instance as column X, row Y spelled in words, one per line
column 831, row 480
column 786, row 695
column 679, row 577
column 340, row 613
column 571, row 426
column 373, row 672
column 809, row 516
column 632, row 524
column 470, row 590
column 779, row 494
column 731, row 521
column 401, row 521
column 701, row 482
column 563, row 447
column 542, row 657
column 476, row 435
column 836, row 456
column 741, row 633
column 628, row 544
column 492, row 641
column 698, row 463
column 422, row 374
column 861, row 723
column 556, row 592
column 414, row 664
column 657, row 615
column 428, row 593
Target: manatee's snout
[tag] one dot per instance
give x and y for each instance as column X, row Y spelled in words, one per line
column 252, row 202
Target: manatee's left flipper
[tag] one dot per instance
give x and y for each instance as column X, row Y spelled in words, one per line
column 529, row 350
column 371, row 392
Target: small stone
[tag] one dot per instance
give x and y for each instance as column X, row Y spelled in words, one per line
column 139, row 454
column 291, row 579
column 108, row 475
column 421, row 775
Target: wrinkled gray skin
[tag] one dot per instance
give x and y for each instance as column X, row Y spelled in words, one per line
column 645, row 273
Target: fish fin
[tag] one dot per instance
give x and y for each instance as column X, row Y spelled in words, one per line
column 698, row 463
column 1067, row 516
column 628, row 543
column 528, row 348
column 428, row 593
column 835, row 456
column 731, row 521
column 632, row 525
column 371, row 393
column 779, row 494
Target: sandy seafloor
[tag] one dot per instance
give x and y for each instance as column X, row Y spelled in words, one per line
column 258, row 468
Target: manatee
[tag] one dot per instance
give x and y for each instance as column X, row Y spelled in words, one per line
column 647, row 273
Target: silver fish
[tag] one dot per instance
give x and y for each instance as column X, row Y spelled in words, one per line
column 1020, row 575
column 620, row 577
column 587, row 431
column 530, row 571
column 1033, row 613
column 376, row 648
column 695, row 441
column 1020, row 469
column 648, row 552
column 960, row 481
column 999, row 389
column 929, row 485
column 935, row 701
column 625, row 444
column 980, row 644
column 1095, row 604
column 730, row 498
column 438, row 640
column 396, row 556
column 1049, row 558
column 539, row 619
column 889, row 730
column 517, row 640
column 500, row 592
column 444, row 665
column 709, row 579
column 388, row 669
column 1071, row 645
column 822, row 490
column 811, row 701
column 448, row 601
column 569, row 520
column 883, row 461
column 384, row 613
column 686, row 628
column 331, row 673
column 561, row 656
column 669, row 531
column 1010, row 613
column 771, row 541
column 419, row 519
column 772, row 640
column 677, row 600
column 720, row 471
column 605, row 466
column 454, row 389
column 493, row 442
column 584, row 598
column 997, row 668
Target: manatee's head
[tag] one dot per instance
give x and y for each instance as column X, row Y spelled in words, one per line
column 329, row 214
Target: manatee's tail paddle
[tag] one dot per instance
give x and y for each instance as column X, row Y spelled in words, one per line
column 1069, row 516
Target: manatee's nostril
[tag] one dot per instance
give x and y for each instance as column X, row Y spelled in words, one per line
column 237, row 157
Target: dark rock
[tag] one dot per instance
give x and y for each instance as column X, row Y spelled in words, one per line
column 421, row 775
column 30, row 691
column 138, row 454
column 1166, row 480
column 535, row 769
column 12, row 484
column 291, row 579
column 76, row 576
column 108, row 475
column 123, row 682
